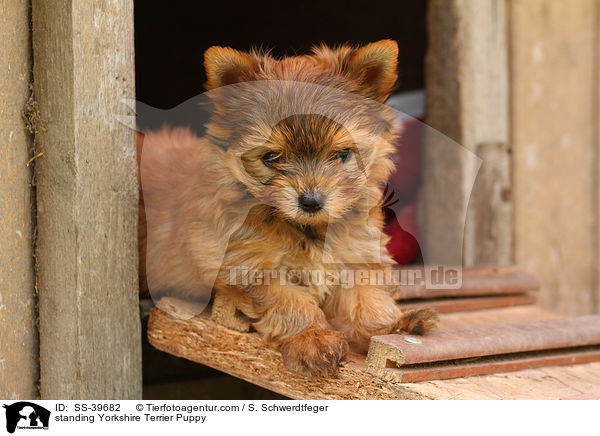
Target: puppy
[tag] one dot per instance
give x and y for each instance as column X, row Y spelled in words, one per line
column 289, row 177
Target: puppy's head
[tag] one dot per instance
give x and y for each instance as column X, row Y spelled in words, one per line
column 307, row 135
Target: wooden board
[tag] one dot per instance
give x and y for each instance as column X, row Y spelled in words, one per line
column 87, row 201
column 482, row 287
column 485, row 349
column 244, row 355
column 490, row 340
column 476, row 281
column 447, row 305
column 490, row 365
column 18, row 335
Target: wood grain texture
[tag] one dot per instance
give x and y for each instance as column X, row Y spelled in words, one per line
column 18, row 335
column 245, row 355
column 489, row 365
column 467, row 105
column 461, row 304
column 596, row 170
column 476, row 281
column 530, row 384
column 87, row 197
column 491, row 207
column 501, row 338
column 552, row 48
column 516, row 314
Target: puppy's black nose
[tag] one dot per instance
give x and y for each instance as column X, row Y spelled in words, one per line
column 311, row 201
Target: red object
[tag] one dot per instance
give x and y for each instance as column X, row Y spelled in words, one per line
column 400, row 203
column 404, row 245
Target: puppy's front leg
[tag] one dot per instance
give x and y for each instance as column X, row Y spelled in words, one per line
column 292, row 321
column 368, row 310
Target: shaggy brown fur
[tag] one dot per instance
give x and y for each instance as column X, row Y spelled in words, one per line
column 310, row 126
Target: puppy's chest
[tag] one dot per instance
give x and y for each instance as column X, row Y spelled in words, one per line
column 306, row 245
column 302, row 248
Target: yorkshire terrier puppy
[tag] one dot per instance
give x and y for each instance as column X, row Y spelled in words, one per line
column 289, row 176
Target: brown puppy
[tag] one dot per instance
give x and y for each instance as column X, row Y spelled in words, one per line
column 288, row 177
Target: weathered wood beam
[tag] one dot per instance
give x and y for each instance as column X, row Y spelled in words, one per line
column 467, row 110
column 87, row 193
column 18, row 335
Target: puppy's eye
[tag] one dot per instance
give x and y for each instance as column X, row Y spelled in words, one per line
column 271, row 158
column 344, row 154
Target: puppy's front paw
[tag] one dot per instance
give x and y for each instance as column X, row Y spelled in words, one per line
column 314, row 351
column 417, row 322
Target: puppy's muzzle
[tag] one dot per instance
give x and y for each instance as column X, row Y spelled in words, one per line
column 311, row 201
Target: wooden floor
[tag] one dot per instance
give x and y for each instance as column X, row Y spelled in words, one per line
column 245, row 356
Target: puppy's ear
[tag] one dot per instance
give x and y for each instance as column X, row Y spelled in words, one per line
column 225, row 66
column 375, row 65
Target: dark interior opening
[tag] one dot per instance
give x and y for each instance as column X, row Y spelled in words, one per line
column 171, row 37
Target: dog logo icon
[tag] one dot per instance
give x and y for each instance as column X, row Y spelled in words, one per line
column 26, row 415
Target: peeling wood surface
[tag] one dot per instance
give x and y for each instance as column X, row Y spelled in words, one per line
column 244, row 355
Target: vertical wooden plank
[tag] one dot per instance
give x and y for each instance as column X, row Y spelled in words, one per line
column 467, row 100
column 596, row 170
column 87, row 201
column 442, row 65
column 18, row 335
column 553, row 122
column 491, row 207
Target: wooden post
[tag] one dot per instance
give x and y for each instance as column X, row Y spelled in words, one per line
column 490, row 232
column 553, row 123
column 18, row 335
column 596, row 171
column 87, row 195
column 467, row 101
